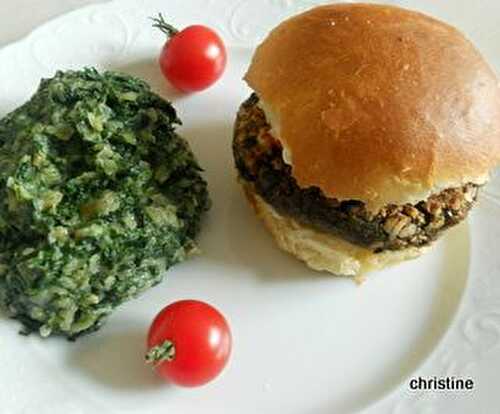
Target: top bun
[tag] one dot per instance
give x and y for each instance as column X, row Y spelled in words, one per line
column 377, row 103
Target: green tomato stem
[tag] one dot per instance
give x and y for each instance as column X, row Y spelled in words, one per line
column 160, row 353
column 160, row 23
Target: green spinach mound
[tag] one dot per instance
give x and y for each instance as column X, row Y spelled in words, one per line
column 98, row 196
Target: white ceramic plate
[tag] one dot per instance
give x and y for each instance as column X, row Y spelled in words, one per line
column 303, row 342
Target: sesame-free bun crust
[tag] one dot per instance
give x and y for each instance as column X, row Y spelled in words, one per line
column 378, row 103
column 322, row 251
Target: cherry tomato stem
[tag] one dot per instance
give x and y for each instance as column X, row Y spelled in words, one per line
column 160, row 23
column 160, row 353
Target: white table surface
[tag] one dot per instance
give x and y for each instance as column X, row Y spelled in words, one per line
column 19, row 17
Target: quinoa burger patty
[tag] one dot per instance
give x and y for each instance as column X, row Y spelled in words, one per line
column 259, row 160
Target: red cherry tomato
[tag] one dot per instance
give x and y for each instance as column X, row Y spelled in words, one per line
column 189, row 342
column 192, row 59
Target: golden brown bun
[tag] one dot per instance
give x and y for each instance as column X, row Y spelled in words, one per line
column 378, row 103
column 322, row 251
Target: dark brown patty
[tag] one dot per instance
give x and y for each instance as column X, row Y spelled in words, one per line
column 259, row 160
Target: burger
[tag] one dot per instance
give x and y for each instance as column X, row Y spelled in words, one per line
column 369, row 133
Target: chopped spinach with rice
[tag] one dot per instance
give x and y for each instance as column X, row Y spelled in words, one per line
column 98, row 196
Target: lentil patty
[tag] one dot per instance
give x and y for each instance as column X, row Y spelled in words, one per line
column 259, row 161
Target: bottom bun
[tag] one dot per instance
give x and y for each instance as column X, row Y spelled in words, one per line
column 322, row 251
